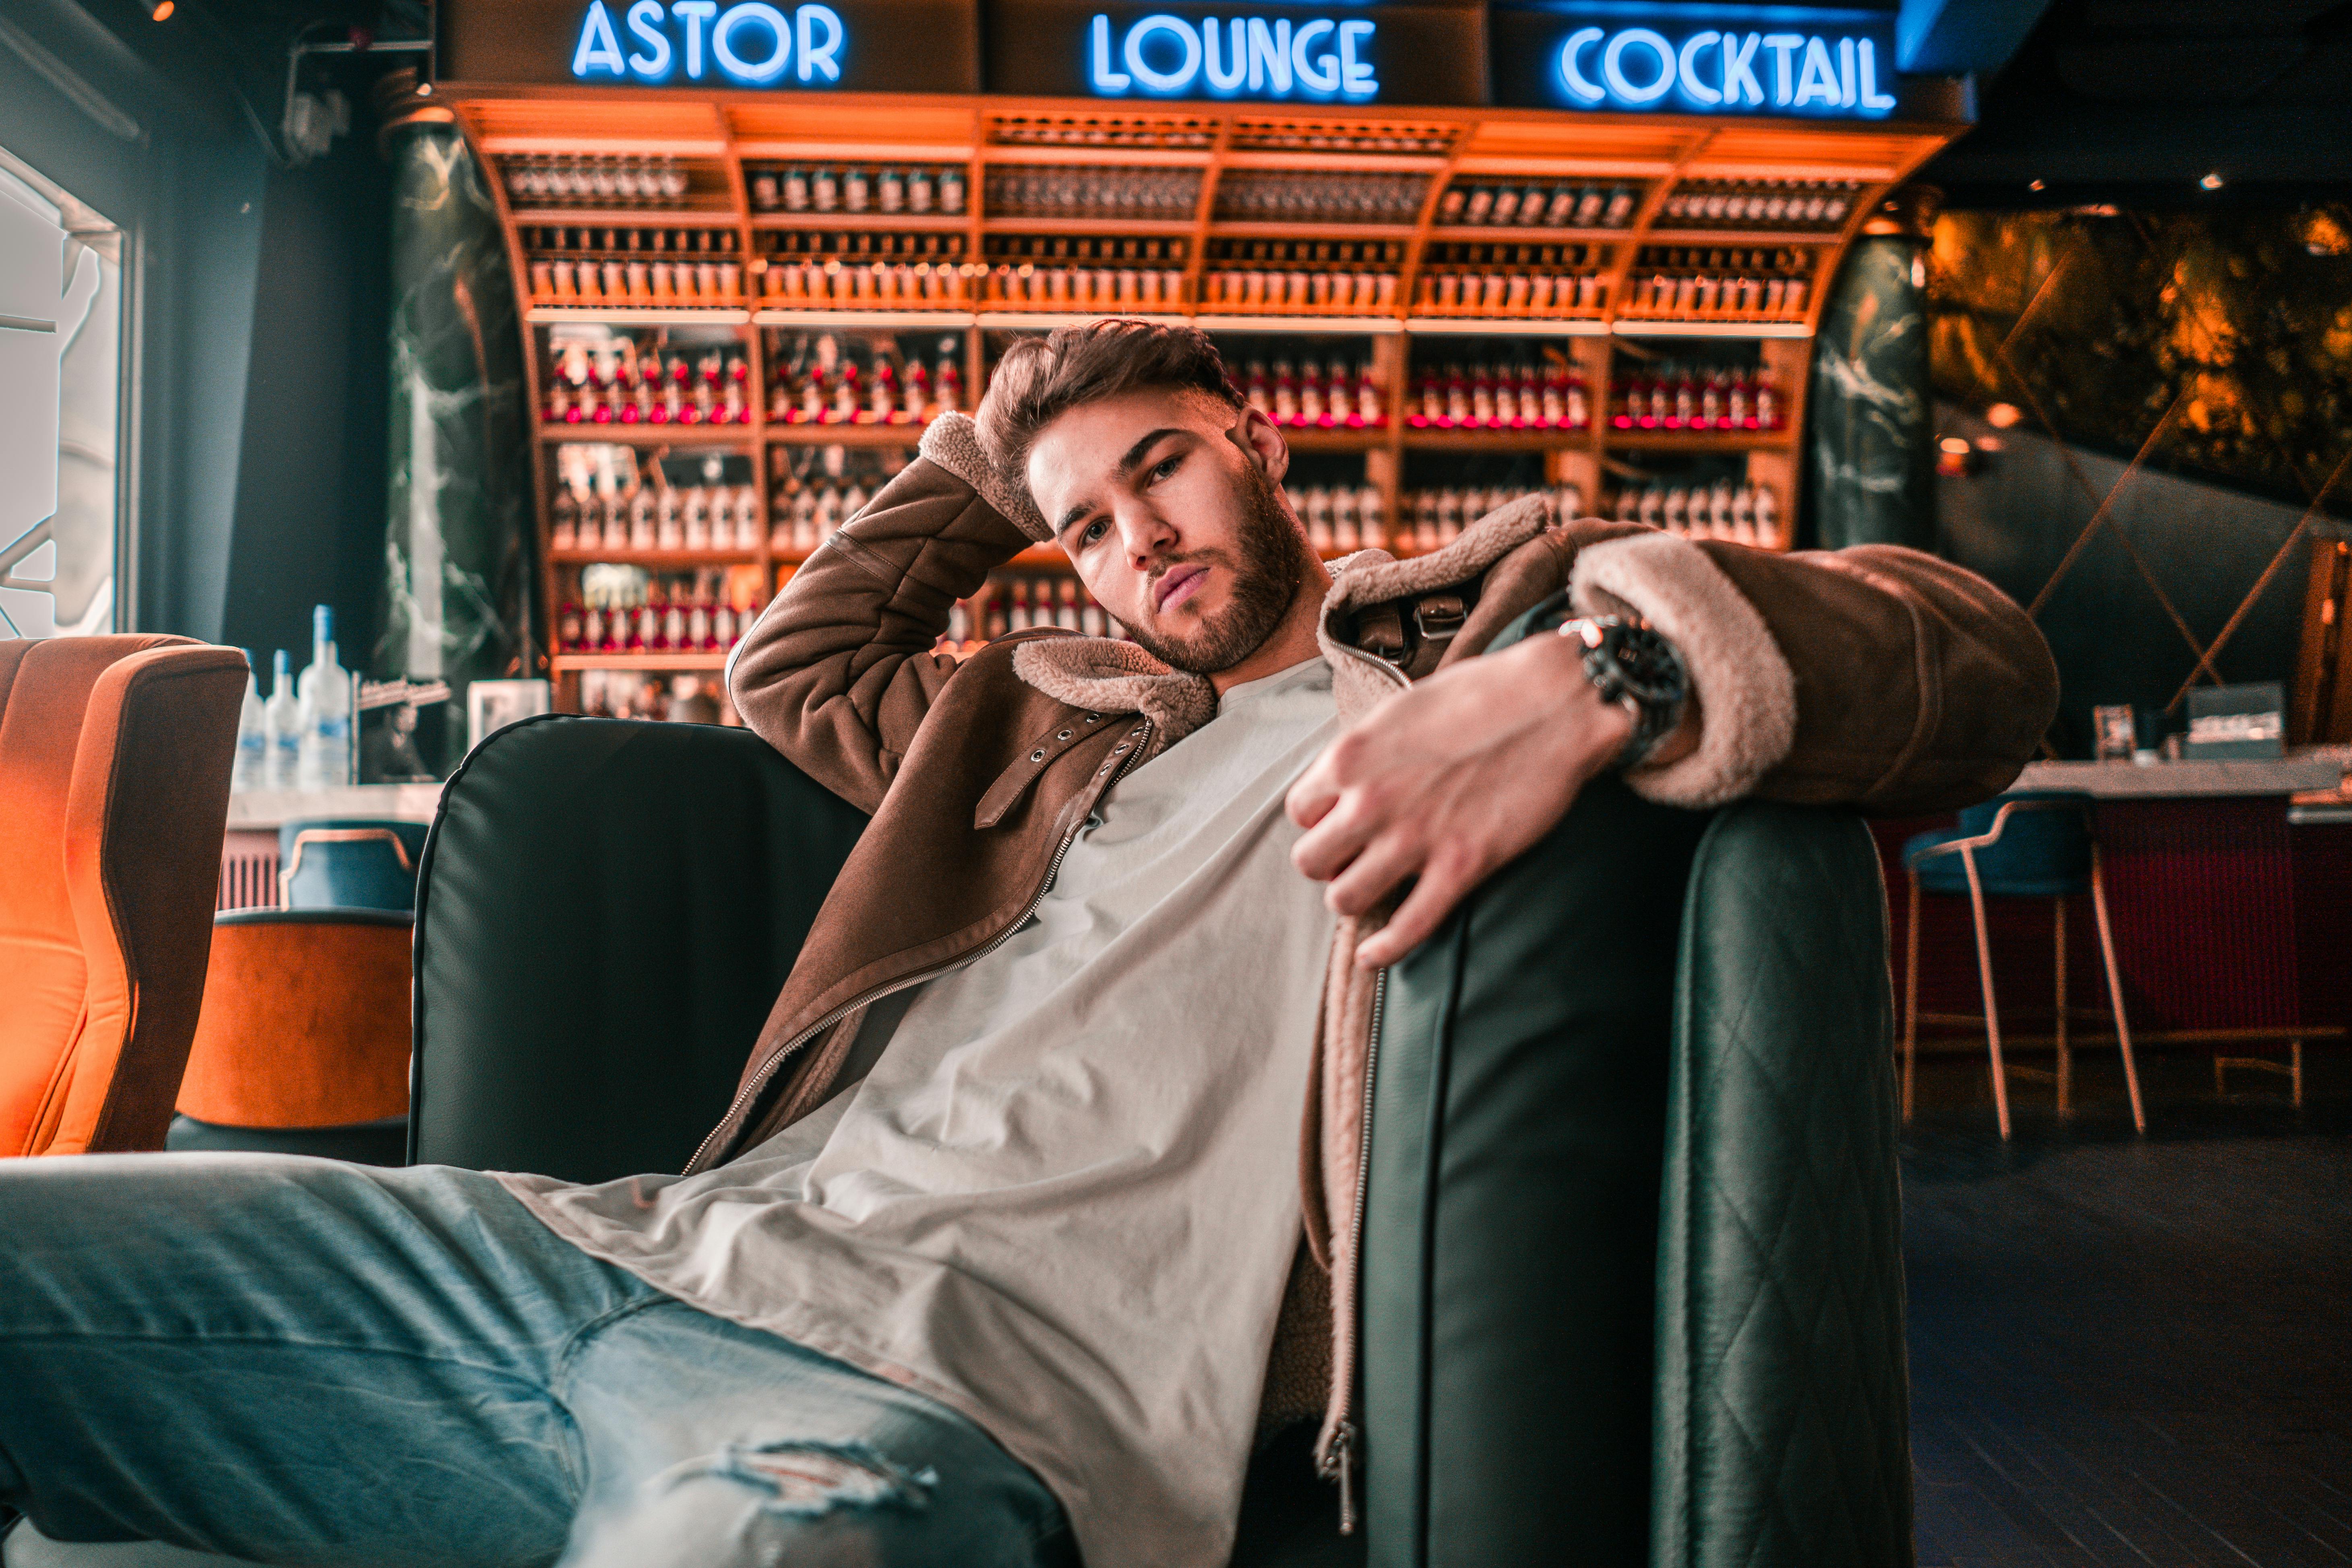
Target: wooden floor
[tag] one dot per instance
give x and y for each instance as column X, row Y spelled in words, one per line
column 2127, row 1352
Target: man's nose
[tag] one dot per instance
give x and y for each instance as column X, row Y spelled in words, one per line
column 1146, row 535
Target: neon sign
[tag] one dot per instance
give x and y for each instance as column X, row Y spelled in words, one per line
column 1319, row 59
column 1700, row 59
column 748, row 43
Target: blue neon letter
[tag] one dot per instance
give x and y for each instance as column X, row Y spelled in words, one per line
column 1325, row 79
column 1356, row 77
column 1612, row 66
column 1158, row 80
column 598, row 50
column 1105, row 78
column 695, row 12
column 1695, row 90
column 1817, row 82
column 821, row 54
column 1740, row 83
column 1269, row 55
column 1579, row 85
column 1221, row 79
column 1872, row 99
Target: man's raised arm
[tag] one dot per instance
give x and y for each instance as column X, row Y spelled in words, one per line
column 839, row 672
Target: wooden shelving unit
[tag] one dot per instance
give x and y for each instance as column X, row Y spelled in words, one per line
column 746, row 135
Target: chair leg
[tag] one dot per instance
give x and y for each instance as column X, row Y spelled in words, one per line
column 2294, row 1068
column 2065, row 1051
column 1984, row 974
column 2115, row 989
column 1911, row 1003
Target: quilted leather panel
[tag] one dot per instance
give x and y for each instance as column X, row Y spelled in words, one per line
column 1781, row 1432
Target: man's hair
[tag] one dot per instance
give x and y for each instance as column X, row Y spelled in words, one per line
column 1041, row 379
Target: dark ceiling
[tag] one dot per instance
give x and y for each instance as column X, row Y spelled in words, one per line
column 2134, row 102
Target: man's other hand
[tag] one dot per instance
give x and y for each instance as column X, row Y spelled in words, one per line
column 1450, row 779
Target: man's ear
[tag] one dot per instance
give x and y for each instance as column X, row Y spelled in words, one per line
column 1260, row 440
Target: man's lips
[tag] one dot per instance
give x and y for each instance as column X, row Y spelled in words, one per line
column 1180, row 584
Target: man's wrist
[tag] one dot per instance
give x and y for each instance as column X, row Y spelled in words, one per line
column 1634, row 668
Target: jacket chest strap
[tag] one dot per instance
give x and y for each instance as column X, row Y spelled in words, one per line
column 1013, row 784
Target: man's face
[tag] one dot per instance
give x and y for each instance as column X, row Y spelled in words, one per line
column 1166, row 502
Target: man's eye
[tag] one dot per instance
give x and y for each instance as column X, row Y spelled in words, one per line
column 1093, row 530
column 1166, row 466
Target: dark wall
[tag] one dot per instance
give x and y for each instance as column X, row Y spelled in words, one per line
column 2212, row 347
column 310, row 470
column 258, row 319
column 2018, row 515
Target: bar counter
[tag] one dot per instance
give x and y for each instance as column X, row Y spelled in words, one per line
column 2229, row 886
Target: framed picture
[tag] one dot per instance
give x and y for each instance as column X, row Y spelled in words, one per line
column 492, row 705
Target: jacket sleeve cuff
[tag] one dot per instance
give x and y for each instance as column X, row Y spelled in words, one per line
column 1747, row 695
column 952, row 443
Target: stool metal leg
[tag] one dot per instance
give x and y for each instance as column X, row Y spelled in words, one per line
column 2065, row 1051
column 1984, row 973
column 2115, row 988
column 1911, row 1001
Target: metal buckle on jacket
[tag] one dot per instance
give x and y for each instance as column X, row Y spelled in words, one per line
column 1440, row 617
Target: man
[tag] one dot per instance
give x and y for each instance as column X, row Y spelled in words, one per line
column 986, row 1261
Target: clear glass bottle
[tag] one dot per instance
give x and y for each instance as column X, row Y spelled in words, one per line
column 323, row 758
column 252, row 738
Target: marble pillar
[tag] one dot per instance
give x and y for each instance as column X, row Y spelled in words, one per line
column 1870, row 435
column 460, row 587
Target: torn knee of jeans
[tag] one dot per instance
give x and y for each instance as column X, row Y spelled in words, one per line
column 805, row 1480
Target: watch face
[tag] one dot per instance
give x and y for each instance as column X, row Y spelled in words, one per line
column 1647, row 664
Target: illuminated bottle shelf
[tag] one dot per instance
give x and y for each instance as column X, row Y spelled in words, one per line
column 1401, row 169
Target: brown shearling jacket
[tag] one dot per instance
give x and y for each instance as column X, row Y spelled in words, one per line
column 1875, row 677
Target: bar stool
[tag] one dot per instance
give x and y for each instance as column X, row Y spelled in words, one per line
column 2034, row 844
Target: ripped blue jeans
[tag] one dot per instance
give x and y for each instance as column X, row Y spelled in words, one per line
column 294, row 1361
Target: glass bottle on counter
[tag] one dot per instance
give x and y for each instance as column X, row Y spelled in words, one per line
column 282, row 718
column 252, row 737
column 323, row 759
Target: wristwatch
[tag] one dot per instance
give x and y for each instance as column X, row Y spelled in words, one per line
column 1636, row 668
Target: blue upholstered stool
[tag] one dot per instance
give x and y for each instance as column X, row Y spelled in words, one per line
column 337, row 863
column 2030, row 844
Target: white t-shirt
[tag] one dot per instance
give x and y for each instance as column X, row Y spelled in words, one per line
column 1064, row 1198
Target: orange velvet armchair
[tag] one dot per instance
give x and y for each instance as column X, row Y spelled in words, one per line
column 114, row 771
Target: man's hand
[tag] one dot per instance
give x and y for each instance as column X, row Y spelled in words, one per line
column 1450, row 779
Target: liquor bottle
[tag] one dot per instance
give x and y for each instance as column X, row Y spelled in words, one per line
column 283, row 727
column 1368, row 411
column 915, row 395
column 252, row 737
column 1018, row 619
column 1066, row 606
column 949, row 380
column 563, row 525
column 1092, row 622
column 323, row 756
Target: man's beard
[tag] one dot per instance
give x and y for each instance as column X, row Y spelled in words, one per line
column 1266, row 566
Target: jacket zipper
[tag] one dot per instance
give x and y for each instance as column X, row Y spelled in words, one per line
column 753, row 1090
column 1339, row 1464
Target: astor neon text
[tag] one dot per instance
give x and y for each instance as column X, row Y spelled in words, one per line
column 748, row 43
column 1725, row 72
column 1168, row 57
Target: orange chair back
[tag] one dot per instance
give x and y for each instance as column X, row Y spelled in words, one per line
column 305, row 1020
column 114, row 767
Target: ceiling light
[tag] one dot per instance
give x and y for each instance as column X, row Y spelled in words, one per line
column 2034, row 186
column 2211, row 181
column 161, row 10
column 2003, row 416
